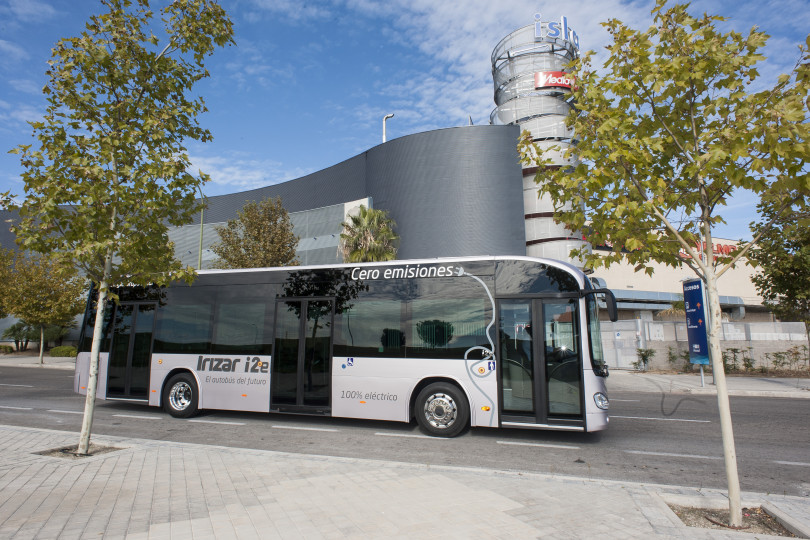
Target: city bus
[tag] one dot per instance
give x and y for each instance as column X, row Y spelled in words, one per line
column 451, row 343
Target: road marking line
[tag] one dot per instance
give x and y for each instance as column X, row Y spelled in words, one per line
column 564, row 447
column 17, row 408
column 142, row 417
column 797, row 463
column 411, row 436
column 18, row 385
column 667, row 419
column 65, row 412
column 305, row 428
column 669, row 454
column 218, row 422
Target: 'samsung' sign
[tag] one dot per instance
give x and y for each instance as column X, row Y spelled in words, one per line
column 555, row 30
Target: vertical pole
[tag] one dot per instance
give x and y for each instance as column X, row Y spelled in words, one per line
column 386, row 117
column 199, row 255
column 202, row 210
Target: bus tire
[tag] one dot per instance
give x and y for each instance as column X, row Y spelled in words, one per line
column 441, row 409
column 180, row 396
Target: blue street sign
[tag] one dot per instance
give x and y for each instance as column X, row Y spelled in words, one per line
column 694, row 303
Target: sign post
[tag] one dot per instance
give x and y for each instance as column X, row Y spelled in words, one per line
column 695, row 307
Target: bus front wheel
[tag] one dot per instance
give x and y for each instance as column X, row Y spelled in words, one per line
column 180, row 396
column 441, row 409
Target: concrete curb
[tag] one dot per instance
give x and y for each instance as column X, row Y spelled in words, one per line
column 50, row 362
column 797, row 394
column 799, row 527
column 715, row 501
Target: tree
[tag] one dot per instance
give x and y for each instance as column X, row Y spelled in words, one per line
column 21, row 333
column 261, row 236
column 368, row 236
column 41, row 292
column 6, row 262
column 783, row 256
column 671, row 127
column 108, row 173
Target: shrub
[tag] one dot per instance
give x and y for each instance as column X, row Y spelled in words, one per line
column 672, row 357
column 64, row 350
column 644, row 358
column 5, row 349
column 731, row 358
column 687, row 364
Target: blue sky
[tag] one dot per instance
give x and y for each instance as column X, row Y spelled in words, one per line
column 308, row 82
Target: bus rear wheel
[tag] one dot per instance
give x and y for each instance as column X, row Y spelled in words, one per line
column 441, row 409
column 180, row 396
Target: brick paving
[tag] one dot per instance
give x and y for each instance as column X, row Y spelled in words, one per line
column 155, row 490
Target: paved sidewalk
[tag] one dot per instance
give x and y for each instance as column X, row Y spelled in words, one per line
column 156, row 489
column 688, row 383
column 59, row 362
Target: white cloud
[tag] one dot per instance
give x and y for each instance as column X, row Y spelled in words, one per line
column 29, row 10
column 458, row 38
column 26, row 86
column 293, row 10
column 17, row 114
column 237, row 172
column 11, row 53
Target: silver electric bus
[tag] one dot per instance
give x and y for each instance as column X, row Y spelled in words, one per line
column 456, row 342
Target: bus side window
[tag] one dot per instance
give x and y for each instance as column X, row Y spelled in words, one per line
column 184, row 324
column 243, row 320
column 370, row 328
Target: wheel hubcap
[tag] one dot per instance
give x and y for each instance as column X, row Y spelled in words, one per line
column 440, row 411
column 180, row 396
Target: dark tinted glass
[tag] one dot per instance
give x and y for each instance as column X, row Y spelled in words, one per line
column 243, row 320
column 141, row 351
column 117, row 367
column 285, row 362
column 184, row 323
column 140, row 294
column 527, row 277
column 86, row 341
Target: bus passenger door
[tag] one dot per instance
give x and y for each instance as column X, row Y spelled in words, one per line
column 131, row 351
column 302, row 356
column 540, row 362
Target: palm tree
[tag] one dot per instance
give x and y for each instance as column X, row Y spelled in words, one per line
column 368, row 237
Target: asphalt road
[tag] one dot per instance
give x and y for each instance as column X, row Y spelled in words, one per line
column 666, row 439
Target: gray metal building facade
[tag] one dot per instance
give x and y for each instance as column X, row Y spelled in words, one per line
column 451, row 192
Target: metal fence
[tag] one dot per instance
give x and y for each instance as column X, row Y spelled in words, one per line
column 621, row 339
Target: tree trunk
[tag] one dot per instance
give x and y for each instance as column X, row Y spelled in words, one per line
column 726, row 431
column 92, row 381
column 41, row 344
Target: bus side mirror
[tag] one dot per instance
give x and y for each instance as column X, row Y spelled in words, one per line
column 610, row 302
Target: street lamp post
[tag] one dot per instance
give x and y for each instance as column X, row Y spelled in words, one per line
column 202, row 210
column 386, row 117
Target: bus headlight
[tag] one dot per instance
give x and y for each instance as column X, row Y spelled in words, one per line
column 601, row 401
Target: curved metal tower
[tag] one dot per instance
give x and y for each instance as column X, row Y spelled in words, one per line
column 533, row 91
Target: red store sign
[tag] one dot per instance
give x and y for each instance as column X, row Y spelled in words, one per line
column 556, row 79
